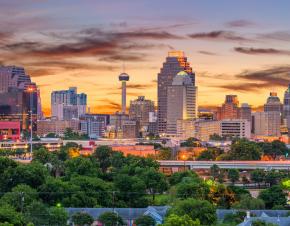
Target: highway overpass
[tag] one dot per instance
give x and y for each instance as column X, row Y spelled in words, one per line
column 246, row 165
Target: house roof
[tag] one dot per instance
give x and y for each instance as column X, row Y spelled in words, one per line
column 280, row 221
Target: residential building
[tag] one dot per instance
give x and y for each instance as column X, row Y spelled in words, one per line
column 181, row 101
column 68, row 104
column 176, row 61
column 239, row 128
column 229, row 109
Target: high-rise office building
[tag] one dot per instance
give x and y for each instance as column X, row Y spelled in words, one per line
column 267, row 123
column 13, row 77
column 181, row 101
column 17, row 96
column 286, row 108
column 140, row 109
column 246, row 112
column 176, row 61
column 229, row 109
column 273, row 103
column 68, row 104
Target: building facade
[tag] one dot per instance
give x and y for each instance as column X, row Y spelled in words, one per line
column 94, row 125
column 229, row 109
column 181, row 101
column 239, row 128
column 176, row 61
column 68, row 104
column 267, row 123
column 286, row 109
column 140, row 109
column 55, row 126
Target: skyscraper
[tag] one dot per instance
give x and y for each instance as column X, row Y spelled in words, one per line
column 66, row 104
column 139, row 110
column 181, row 101
column 123, row 77
column 17, row 95
column 175, row 62
column 286, row 108
column 246, row 112
column 229, row 109
column 273, row 103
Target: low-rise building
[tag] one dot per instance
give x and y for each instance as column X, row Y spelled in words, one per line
column 58, row 127
column 9, row 130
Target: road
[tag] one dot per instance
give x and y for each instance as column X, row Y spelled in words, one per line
column 266, row 165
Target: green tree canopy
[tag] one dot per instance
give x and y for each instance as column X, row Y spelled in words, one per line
column 273, row 196
column 82, row 219
column 110, row 219
column 176, row 220
column 243, row 149
column 233, row 175
column 145, row 221
column 195, row 209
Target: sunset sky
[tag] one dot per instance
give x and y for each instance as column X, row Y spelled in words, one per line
column 235, row 47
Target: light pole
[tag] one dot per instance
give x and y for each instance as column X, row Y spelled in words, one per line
column 31, row 90
column 183, row 158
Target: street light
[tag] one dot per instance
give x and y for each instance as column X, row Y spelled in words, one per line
column 30, row 91
column 183, row 157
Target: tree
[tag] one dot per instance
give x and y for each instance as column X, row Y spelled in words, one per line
column 235, row 218
column 192, row 189
column 42, row 155
column 110, row 219
column 209, row 154
column 103, row 155
column 262, row 223
column 80, row 166
column 164, row 154
column 214, row 171
column 273, row 196
column 33, row 174
column 195, row 209
column 155, row 181
column 176, row 178
column 82, row 219
column 245, row 150
column 190, row 142
column 185, row 220
column 248, row 203
column 145, row 221
column 258, row 176
column 222, row 196
column 238, row 191
column 233, row 175
column 131, row 190
column 9, row 215
column 20, row 197
column 37, row 213
column 57, row 216
column 6, row 163
column 272, row 177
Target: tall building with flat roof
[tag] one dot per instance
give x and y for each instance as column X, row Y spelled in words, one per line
column 68, row 104
column 239, row 128
column 286, row 108
column 181, row 101
column 273, row 103
column 176, row 61
column 140, row 109
column 229, row 109
column 267, row 123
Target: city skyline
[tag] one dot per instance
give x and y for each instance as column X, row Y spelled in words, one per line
column 243, row 52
